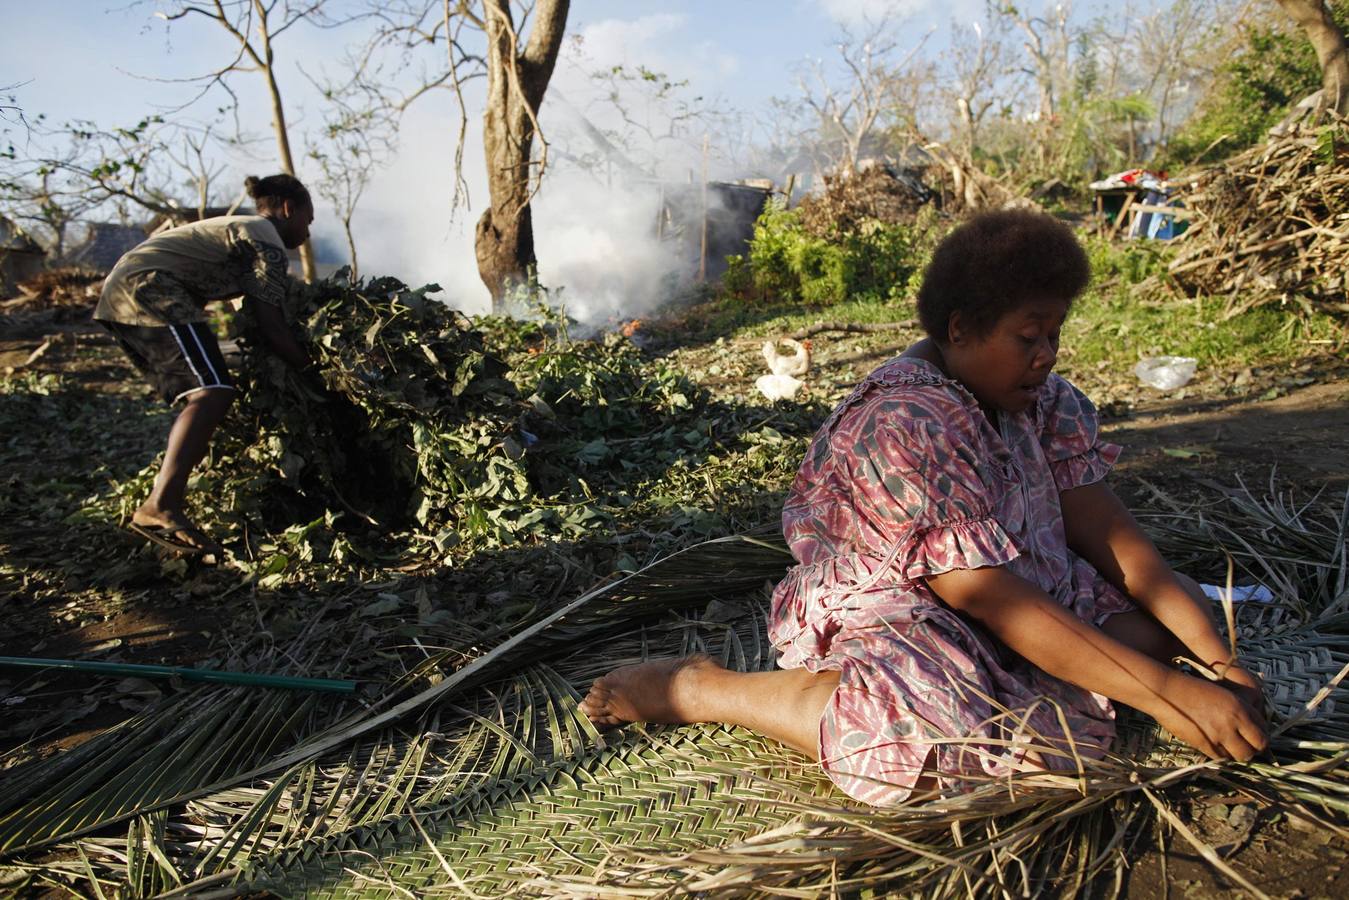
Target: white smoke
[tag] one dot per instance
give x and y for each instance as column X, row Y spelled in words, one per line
column 596, row 227
column 595, row 231
column 405, row 225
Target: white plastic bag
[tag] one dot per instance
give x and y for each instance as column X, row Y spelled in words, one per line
column 1166, row 373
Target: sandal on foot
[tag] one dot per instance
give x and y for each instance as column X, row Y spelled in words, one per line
column 166, row 536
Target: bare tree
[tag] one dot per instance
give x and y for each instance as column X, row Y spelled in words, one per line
column 80, row 169
column 193, row 156
column 518, row 61
column 354, row 143
column 1049, row 40
column 1048, row 43
column 622, row 122
column 255, row 25
column 637, row 118
column 42, row 209
column 1165, row 55
column 848, row 118
column 1314, row 17
column 979, row 62
column 11, row 113
column 517, row 77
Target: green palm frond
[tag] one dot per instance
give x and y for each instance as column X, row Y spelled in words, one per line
column 147, row 762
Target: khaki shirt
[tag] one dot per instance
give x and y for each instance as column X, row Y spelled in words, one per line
column 169, row 279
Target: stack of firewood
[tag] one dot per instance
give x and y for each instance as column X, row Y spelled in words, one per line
column 1272, row 224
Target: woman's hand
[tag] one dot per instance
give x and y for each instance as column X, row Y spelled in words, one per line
column 1247, row 687
column 1210, row 718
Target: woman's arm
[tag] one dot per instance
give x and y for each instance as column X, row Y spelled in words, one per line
column 272, row 323
column 1048, row 636
column 1103, row 532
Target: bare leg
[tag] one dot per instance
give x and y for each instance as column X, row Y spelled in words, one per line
column 785, row 705
column 189, row 438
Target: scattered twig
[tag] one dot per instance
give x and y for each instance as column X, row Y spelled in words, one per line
column 851, row 328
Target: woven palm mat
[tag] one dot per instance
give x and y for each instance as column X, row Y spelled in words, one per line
column 653, row 790
column 675, row 791
column 652, row 812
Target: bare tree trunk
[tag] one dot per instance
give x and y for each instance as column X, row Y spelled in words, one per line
column 516, row 82
column 351, row 246
column 279, row 126
column 1314, row 18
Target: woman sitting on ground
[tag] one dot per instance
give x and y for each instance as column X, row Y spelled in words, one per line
column 967, row 584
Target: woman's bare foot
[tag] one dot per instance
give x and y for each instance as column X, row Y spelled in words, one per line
column 665, row 691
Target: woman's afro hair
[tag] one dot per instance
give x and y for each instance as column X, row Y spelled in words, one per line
column 269, row 193
column 995, row 262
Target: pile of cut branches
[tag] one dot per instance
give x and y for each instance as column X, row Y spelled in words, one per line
column 1271, row 224
column 67, row 294
column 420, row 421
column 965, row 188
column 876, row 194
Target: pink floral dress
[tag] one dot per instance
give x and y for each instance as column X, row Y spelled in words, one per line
column 905, row 480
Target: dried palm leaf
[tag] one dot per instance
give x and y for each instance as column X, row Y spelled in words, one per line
column 207, row 740
column 495, row 784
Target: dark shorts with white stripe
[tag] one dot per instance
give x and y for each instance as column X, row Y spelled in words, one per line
column 178, row 360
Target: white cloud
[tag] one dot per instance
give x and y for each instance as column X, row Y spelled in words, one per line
column 618, row 41
column 658, row 42
column 858, row 12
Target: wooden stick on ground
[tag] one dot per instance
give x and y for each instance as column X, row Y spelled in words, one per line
column 851, row 328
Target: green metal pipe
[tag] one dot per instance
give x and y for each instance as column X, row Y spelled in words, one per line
column 144, row 671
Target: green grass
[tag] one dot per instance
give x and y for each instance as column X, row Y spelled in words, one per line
column 1118, row 320
column 1116, row 325
column 1127, row 313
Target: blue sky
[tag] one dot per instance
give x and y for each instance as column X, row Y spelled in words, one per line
column 76, row 58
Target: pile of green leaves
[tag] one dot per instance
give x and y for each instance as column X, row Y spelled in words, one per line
column 421, row 421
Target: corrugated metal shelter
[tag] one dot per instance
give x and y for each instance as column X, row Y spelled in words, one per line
column 103, row 245
column 712, row 221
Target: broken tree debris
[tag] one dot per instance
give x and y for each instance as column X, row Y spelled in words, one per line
column 1272, row 224
column 876, row 194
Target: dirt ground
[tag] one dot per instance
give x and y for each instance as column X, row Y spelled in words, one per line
column 1289, row 425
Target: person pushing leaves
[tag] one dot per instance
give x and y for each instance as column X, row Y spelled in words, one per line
column 154, row 303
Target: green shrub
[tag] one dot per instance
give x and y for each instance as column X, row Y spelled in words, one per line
column 1131, row 262
column 875, row 261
